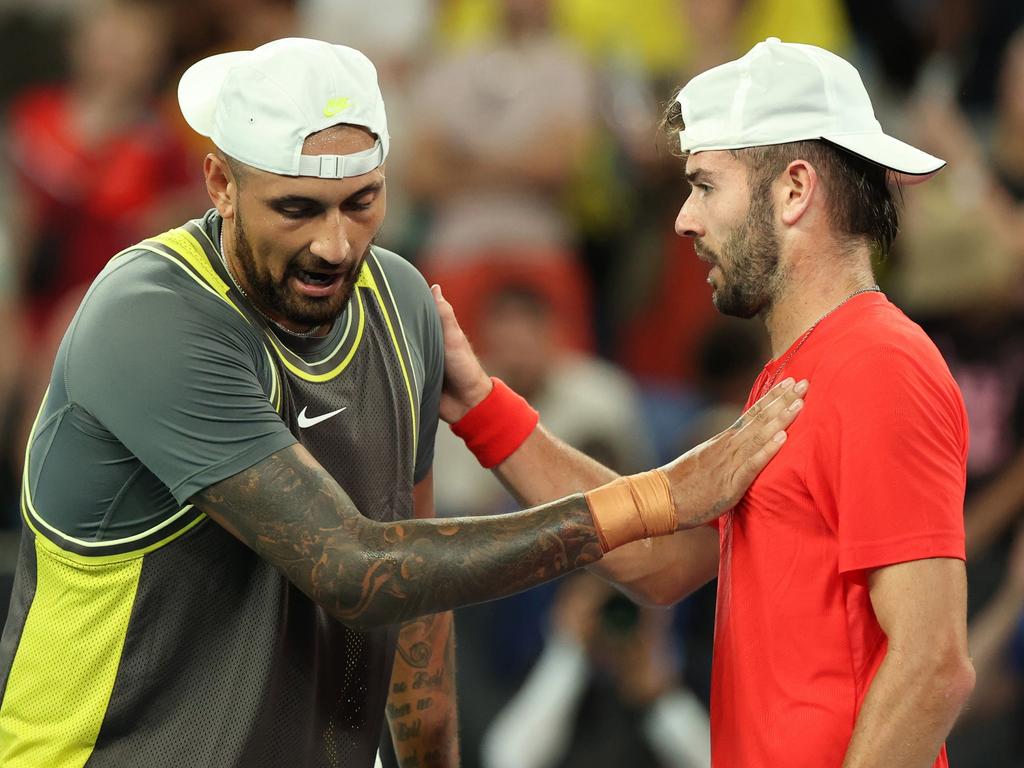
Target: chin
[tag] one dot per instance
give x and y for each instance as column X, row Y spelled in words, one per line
column 302, row 310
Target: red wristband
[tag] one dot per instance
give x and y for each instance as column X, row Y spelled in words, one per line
column 496, row 426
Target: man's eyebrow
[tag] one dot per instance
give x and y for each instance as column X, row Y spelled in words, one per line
column 293, row 200
column 373, row 186
column 698, row 175
column 300, row 200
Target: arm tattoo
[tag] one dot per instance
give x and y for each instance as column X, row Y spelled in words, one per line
column 365, row 573
column 421, row 706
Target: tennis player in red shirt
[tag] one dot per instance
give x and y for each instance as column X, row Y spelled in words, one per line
column 840, row 636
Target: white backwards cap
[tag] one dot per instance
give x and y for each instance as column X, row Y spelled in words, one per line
column 259, row 106
column 782, row 92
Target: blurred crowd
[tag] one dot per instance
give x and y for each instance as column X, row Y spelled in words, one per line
column 529, row 178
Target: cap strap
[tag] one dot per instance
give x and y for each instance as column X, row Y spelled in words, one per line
column 342, row 166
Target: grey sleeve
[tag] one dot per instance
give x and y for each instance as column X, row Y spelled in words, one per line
column 422, row 327
column 176, row 381
column 433, row 352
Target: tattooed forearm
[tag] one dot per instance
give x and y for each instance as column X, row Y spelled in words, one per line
column 291, row 512
column 421, row 706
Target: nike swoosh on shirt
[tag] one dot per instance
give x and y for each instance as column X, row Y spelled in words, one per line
column 306, row 422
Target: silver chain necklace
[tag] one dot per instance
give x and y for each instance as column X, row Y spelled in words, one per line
column 806, row 334
column 241, row 290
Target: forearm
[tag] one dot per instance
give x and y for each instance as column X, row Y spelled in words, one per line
column 368, row 574
column 657, row 571
column 908, row 712
column 421, row 708
column 545, row 468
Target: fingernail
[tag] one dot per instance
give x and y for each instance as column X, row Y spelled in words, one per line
column 801, row 388
column 787, row 383
column 780, row 437
column 796, row 405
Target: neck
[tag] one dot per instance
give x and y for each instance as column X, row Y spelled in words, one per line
column 807, row 295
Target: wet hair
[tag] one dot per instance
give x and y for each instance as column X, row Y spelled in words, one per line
column 861, row 203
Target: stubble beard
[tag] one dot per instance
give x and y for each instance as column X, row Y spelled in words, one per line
column 278, row 298
column 751, row 283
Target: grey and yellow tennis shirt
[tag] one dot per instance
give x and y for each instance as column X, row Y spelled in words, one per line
column 140, row 632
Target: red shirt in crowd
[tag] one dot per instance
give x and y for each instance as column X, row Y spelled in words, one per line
column 83, row 202
column 873, row 474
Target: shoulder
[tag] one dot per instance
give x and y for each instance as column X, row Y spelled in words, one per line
column 142, row 294
column 883, row 343
column 884, row 363
column 138, row 281
column 407, row 286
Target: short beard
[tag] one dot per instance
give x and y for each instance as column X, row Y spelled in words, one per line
column 278, row 298
column 752, row 251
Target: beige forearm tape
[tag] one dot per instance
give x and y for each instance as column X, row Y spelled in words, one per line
column 632, row 508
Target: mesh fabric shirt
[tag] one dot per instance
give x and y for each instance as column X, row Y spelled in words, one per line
column 142, row 633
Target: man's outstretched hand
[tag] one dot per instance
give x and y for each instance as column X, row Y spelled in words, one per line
column 708, row 480
column 705, row 481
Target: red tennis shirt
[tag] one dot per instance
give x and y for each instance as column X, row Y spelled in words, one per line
column 873, row 474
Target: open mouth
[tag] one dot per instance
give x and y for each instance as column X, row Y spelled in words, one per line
column 317, row 279
column 317, row 285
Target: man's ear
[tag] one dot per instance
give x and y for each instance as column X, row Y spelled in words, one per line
column 221, row 185
column 799, row 185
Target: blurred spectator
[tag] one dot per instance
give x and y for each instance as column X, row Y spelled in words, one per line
column 605, row 692
column 996, row 637
column 1008, row 129
column 816, row 22
column 582, row 400
column 499, row 131
column 32, row 36
column 95, row 167
column 394, row 30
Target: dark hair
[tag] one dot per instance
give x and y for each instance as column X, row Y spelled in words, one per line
column 860, row 201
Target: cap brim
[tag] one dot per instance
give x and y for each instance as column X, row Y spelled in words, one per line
column 909, row 164
column 199, row 87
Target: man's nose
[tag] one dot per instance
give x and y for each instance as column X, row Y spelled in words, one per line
column 686, row 224
column 331, row 243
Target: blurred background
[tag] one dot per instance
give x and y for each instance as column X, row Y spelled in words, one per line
column 527, row 176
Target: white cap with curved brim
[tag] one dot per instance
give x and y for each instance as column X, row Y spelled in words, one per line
column 783, row 92
column 259, row 106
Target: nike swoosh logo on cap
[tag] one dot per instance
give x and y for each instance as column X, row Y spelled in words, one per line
column 334, row 106
column 306, row 422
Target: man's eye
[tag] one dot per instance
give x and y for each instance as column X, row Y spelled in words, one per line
column 360, row 206
column 295, row 213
